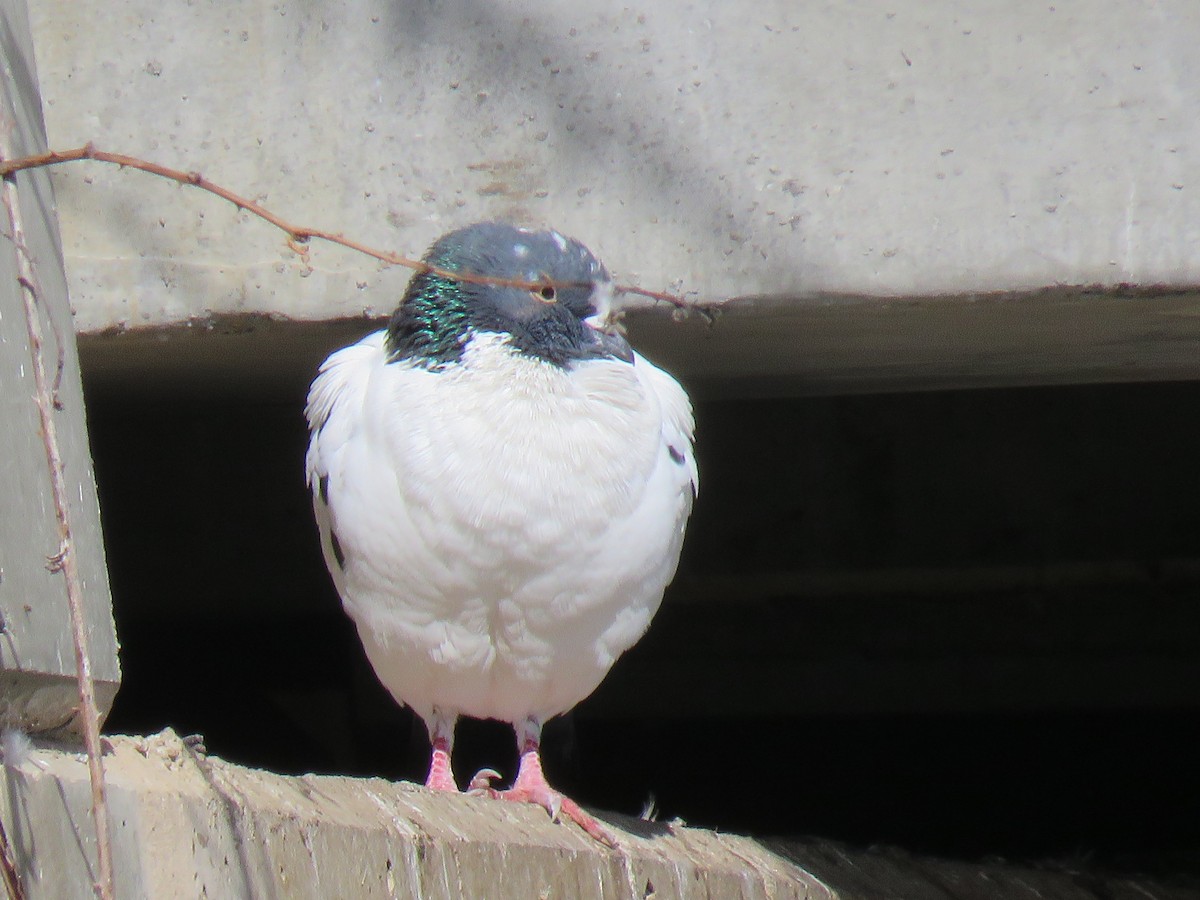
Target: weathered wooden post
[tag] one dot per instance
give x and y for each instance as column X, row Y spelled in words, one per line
column 38, row 691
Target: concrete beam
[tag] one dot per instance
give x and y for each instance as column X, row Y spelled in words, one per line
column 856, row 345
column 37, row 659
column 186, row 825
column 803, row 346
column 788, row 156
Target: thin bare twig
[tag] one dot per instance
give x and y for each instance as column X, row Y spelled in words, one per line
column 64, row 559
column 8, row 868
column 299, row 235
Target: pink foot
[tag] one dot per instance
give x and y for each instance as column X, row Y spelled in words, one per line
column 531, row 787
column 441, row 776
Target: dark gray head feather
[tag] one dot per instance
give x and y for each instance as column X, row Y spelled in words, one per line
column 439, row 315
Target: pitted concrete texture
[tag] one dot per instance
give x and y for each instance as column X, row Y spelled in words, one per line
column 187, row 825
column 776, row 150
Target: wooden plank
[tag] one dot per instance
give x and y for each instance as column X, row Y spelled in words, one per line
column 37, row 659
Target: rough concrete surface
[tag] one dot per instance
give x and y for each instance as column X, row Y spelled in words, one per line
column 777, row 152
column 187, row 825
column 778, row 349
column 37, row 658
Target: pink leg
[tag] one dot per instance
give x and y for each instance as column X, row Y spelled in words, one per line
column 441, row 736
column 531, row 785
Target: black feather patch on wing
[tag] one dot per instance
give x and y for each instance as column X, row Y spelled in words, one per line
column 336, row 546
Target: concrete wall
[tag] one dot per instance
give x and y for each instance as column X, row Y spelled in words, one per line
column 808, row 156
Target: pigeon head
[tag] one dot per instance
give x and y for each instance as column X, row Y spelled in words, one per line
column 561, row 319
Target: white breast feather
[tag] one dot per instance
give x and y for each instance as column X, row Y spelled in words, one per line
column 507, row 526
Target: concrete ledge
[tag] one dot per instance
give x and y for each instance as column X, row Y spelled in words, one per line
column 756, row 347
column 186, row 825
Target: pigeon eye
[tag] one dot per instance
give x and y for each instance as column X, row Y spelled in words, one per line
column 546, row 293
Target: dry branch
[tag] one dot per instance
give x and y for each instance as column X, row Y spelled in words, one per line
column 8, row 868
column 298, row 235
column 64, row 559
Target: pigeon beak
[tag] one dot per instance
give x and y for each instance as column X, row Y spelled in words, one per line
column 605, row 317
column 615, row 345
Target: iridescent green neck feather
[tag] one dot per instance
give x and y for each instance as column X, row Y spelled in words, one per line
column 431, row 323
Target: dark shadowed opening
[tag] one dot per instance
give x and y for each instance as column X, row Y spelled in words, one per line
column 965, row 622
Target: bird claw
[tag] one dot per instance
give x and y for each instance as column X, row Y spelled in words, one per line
column 547, row 799
column 550, row 801
column 588, row 823
column 557, row 805
column 481, row 783
column 542, row 794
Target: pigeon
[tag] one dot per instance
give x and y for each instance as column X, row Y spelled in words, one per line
column 501, row 485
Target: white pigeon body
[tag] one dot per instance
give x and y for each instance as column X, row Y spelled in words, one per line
column 507, row 528
column 500, row 525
